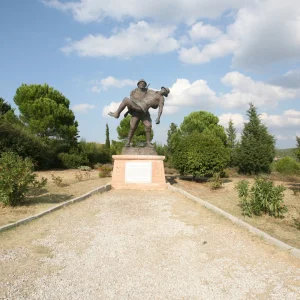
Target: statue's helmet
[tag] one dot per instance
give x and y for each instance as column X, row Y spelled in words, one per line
column 167, row 90
column 141, row 80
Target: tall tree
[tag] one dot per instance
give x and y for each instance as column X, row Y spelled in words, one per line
column 231, row 141
column 4, row 107
column 297, row 151
column 200, row 145
column 203, row 122
column 171, row 136
column 46, row 112
column 107, row 141
column 257, row 148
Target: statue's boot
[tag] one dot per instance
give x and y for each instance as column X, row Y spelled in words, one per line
column 148, row 138
column 129, row 138
column 115, row 114
column 119, row 110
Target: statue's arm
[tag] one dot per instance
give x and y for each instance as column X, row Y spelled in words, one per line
column 160, row 109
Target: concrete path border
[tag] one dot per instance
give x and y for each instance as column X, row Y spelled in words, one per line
column 271, row 240
column 101, row 189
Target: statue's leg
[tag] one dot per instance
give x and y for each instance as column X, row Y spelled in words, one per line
column 148, row 126
column 134, row 122
column 124, row 103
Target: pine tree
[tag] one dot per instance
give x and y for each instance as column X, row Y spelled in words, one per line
column 257, row 149
column 107, row 142
column 231, row 142
column 297, row 151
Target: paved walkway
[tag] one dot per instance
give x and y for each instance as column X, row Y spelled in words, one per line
column 141, row 245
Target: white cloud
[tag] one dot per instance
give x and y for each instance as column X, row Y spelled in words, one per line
column 111, row 81
column 95, row 89
column 83, row 108
column 221, row 47
column 291, row 79
column 263, row 33
column 289, row 119
column 160, row 10
column 246, row 90
column 184, row 93
column 200, row 31
column 267, row 32
column 237, row 119
column 292, row 113
column 138, row 39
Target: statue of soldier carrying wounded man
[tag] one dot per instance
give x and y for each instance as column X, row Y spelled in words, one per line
column 140, row 101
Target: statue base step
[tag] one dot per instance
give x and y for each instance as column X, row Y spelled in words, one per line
column 139, row 172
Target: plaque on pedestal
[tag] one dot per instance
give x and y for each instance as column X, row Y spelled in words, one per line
column 142, row 172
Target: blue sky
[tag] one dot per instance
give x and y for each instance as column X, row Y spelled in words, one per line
column 215, row 55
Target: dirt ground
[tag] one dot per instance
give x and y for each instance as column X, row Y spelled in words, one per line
column 52, row 194
column 226, row 198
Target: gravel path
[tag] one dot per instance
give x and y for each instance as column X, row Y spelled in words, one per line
column 138, row 245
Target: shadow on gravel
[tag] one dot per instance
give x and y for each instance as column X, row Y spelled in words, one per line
column 190, row 178
column 171, row 179
column 48, row 198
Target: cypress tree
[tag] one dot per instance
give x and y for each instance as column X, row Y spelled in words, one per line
column 107, row 142
column 297, row 151
column 231, row 142
column 257, row 148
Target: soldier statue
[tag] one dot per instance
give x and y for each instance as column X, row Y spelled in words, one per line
column 138, row 105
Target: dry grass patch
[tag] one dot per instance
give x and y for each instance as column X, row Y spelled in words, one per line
column 226, row 198
column 52, row 194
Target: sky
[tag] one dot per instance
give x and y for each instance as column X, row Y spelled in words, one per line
column 214, row 55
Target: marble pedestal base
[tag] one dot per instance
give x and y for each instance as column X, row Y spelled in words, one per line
column 139, row 172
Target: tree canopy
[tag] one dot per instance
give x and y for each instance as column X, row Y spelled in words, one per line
column 203, row 121
column 46, row 112
column 199, row 145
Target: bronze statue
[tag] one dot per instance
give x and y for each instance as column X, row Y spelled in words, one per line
column 141, row 99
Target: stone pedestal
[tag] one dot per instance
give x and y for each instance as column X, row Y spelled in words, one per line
column 139, row 172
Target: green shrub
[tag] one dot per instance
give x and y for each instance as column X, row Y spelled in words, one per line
column 80, row 175
column 287, row 166
column 94, row 152
column 84, row 168
column 261, row 197
column 57, row 180
column 105, row 170
column 200, row 154
column 16, row 138
column 216, row 181
column 72, row 160
column 16, row 178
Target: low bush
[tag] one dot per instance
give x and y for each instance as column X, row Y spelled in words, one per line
column 261, row 197
column 80, row 175
column 57, row 180
column 84, row 168
column 216, row 181
column 170, row 171
column 105, row 170
column 287, row 166
column 72, row 160
column 16, row 178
